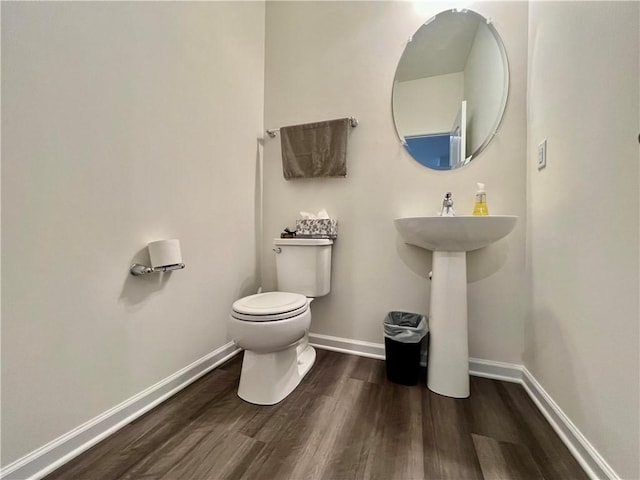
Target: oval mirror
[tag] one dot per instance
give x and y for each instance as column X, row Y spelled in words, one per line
column 450, row 89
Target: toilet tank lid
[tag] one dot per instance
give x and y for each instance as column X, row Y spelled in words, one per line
column 302, row 241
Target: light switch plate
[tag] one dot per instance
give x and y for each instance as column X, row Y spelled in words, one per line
column 542, row 154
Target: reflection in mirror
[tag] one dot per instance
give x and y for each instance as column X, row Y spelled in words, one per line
column 450, row 89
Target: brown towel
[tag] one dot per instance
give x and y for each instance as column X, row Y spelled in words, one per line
column 315, row 149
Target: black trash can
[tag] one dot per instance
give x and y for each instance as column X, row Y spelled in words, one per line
column 403, row 334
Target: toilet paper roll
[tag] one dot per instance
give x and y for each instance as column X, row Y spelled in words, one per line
column 165, row 252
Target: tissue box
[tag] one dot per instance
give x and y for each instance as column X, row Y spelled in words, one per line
column 320, row 228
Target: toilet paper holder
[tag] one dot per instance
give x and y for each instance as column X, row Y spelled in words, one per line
column 136, row 269
column 165, row 255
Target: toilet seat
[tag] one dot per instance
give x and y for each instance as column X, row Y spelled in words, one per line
column 270, row 306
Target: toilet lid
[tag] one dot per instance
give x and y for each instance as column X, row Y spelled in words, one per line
column 265, row 307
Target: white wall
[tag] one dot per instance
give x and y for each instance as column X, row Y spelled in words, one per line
column 122, row 123
column 428, row 105
column 334, row 59
column 484, row 84
column 582, row 334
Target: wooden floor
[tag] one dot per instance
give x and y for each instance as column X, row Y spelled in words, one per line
column 344, row 421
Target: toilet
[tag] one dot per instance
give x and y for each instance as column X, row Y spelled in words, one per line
column 273, row 327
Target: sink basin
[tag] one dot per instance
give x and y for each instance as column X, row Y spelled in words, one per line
column 454, row 234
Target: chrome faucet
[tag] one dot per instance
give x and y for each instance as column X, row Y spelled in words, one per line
column 447, row 206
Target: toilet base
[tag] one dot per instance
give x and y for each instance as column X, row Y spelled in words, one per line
column 268, row 378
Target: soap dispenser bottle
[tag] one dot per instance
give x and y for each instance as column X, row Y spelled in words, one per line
column 480, row 207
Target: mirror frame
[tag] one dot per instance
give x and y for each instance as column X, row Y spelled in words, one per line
column 503, row 103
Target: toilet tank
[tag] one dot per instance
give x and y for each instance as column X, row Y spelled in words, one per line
column 303, row 265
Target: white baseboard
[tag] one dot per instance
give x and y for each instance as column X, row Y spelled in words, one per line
column 346, row 345
column 45, row 459
column 586, row 455
column 479, row 368
column 507, row 372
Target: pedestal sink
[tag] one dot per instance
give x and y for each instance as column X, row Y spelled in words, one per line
column 450, row 238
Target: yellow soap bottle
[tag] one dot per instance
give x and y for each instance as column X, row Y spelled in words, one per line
column 480, row 208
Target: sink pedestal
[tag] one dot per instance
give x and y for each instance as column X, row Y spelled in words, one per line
column 448, row 356
column 449, row 238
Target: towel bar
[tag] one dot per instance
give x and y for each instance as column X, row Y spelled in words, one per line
column 353, row 121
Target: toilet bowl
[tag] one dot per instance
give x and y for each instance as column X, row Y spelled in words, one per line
column 273, row 329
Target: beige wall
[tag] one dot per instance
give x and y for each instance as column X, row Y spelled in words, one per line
column 582, row 332
column 122, row 123
column 334, row 59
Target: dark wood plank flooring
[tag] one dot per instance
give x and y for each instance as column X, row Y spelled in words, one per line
column 344, row 421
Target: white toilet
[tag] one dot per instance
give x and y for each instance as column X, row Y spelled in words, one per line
column 273, row 327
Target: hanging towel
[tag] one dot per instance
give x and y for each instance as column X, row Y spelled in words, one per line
column 315, row 149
